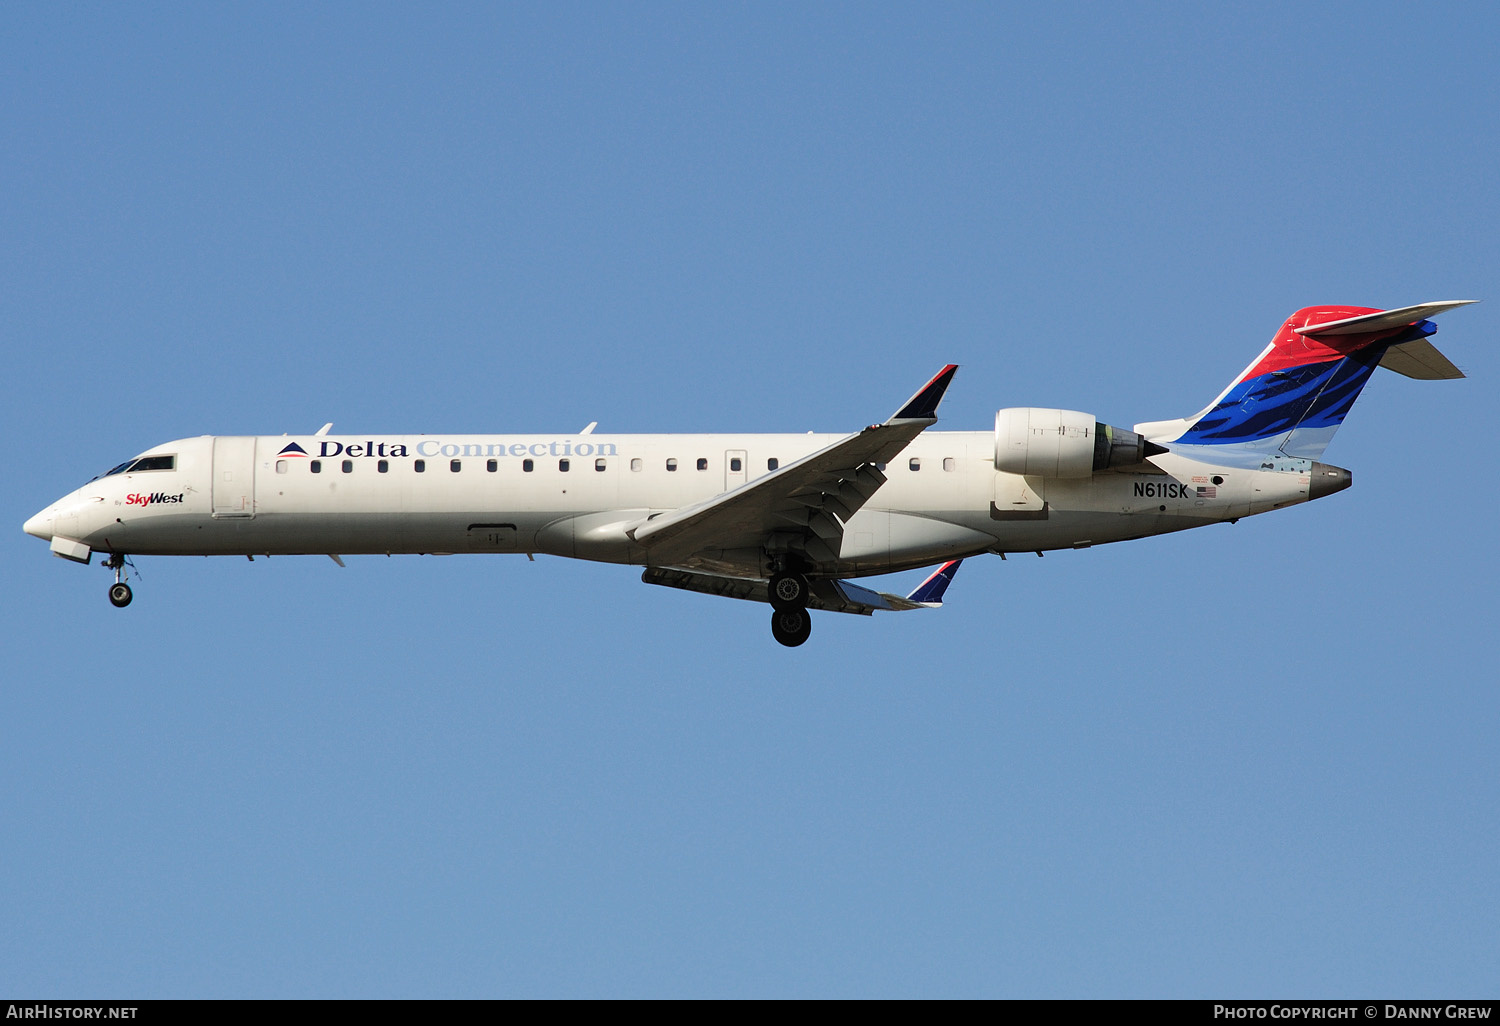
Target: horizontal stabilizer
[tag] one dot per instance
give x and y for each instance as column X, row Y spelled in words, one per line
column 1382, row 320
column 1420, row 359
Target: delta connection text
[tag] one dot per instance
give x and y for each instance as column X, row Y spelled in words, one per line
column 1256, row 1011
column 436, row 447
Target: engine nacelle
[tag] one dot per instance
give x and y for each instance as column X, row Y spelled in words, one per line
column 1063, row 443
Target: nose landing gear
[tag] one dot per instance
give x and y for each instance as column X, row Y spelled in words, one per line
column 119, row 592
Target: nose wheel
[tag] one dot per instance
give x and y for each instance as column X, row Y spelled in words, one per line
column 119, row 592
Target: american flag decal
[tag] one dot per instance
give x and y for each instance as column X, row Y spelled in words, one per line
column 1207, row 492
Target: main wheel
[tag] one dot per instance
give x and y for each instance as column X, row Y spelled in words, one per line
column 788, row 591
column 791, row 627
column 119, row 595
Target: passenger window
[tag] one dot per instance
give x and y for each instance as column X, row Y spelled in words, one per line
column 383, row 466
column 316, row 466
column 348, row 466
column 563, row 465
column 281, row 466
column 528, row 465
column 772, row 463
column 599, row 464
column 420, row 466
column 492, row 466
column 455, row 465
column 703, row 464
column 671, row 466
column 915, row 464
column 948, row 463
column 736, row 465
column 635, row 464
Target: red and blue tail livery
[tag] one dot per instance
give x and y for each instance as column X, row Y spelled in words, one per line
column 1292, row 399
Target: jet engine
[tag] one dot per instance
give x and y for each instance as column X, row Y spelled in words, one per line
column 1063, row 443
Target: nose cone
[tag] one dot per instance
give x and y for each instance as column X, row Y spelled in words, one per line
column 39, row 526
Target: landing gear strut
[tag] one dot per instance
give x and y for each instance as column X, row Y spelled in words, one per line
column 119, row 592
column 791, row 626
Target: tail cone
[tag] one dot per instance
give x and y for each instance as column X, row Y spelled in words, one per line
column 1327, row 479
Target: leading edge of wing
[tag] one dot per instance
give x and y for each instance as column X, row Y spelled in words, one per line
column 744, row 515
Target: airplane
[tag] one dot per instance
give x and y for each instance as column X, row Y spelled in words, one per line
column 783, row 519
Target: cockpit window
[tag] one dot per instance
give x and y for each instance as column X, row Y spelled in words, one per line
column 154, row 463
column 145, row 463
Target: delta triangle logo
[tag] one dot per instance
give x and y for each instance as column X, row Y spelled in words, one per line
column 292, row 449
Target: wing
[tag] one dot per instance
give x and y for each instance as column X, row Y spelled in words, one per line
column 824, row 593
column 807, row 502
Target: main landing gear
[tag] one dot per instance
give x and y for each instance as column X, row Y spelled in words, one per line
column 790, row 623
column 791, row 627
column 119, row 592
column 788, row 591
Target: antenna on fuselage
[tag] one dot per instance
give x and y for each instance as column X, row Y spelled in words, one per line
column 323, row 430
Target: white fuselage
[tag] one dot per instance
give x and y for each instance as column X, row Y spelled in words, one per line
column 578, row 495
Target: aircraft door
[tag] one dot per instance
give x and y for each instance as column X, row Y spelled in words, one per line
column 734, row 468
column 234, row 477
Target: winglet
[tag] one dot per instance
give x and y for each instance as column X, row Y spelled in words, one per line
column 923, row 405
column 930, row 592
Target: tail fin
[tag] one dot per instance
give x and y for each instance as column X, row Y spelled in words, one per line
column 1292, row 399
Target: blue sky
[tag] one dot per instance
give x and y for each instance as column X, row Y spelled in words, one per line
column 1247, row 760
